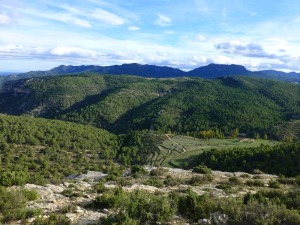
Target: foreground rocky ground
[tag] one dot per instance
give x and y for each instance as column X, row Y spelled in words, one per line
column 74, row 197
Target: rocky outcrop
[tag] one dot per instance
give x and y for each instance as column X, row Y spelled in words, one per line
column 216, row 218
column 52, row 200
column 90, row 175
column 74, row 196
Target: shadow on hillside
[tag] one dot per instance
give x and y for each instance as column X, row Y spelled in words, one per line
column 125, row 122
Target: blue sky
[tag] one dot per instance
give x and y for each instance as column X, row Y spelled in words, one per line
column 42, row 34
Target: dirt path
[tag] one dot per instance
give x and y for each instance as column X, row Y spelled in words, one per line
column 168, row 136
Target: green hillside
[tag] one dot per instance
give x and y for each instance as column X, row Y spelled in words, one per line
column 36, row 150
column 180, row 105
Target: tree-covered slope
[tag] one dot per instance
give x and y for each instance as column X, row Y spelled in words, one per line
column 37, row 149
column 33, row 131
column 123, row 103
column 251, row 105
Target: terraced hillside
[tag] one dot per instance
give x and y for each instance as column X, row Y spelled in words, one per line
column 291, row 131
column 179, row 151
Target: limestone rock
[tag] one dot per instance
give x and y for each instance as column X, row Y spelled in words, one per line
column 90, row 175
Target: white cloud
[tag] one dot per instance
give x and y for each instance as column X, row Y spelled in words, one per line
column 201, row 37
column 133, row 28
column 79, row 22
column 114, row 7
column 66, row 18
column 163, row 20
column 90, row 14
column 107, row 17
column 4, row 19
column 70, row 9
column 169, row 32
column 202, row 6
column 72, row 52
column 186, row 50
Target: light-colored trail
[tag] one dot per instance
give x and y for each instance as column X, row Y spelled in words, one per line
column 183, row 149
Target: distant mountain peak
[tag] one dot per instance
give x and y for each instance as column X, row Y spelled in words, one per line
column 209, row 71
column 217, row 70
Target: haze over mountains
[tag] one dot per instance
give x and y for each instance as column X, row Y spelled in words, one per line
column 151, row 71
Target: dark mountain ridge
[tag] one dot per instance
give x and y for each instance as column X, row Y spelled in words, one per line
column 210, row 71
column 218, row 70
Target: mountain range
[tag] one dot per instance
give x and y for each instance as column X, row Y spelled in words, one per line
column 210, row 71
column 186, row 104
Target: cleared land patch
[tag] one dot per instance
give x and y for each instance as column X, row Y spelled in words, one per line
column 177, row 150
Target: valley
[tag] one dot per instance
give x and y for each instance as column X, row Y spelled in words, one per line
column 153, row 112
column 91, row 149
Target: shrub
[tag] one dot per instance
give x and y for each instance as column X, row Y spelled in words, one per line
column 274, row 184
column 99, row 187
column 124, row 182
column 72, row 193
column 137, row 207
column 120, row 218
column 111, row 199
column 150, row 208
column 153, row 181
column 197, row 207
column 258, row 183
column 13, row 205
column 245, row 175
column 285, row 180
column 202, row 169
column 30, row 195
column 158, row 172
column 136, row 169
column 223, row 186
column 199, row 180
column 67, row 209
column 52, row 220
column 171, row 182
column 235, row 180
column 257, row 171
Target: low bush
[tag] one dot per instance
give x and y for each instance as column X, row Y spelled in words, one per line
column 202, row 169
column 53, row 219
column 258, row 183
column 274, row 184
column 158, row 172
column 235, row 181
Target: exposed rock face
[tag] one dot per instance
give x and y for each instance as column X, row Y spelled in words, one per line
column 90, row 175
column 143, row 187
column 219, row 218
column 84, row 217
column 216, row 218
column 90, row 217
column 52, row 200
column 78, row 192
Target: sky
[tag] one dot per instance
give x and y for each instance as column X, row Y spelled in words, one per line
column 184, row 34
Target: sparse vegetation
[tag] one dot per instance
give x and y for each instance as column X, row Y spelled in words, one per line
column 13, row 204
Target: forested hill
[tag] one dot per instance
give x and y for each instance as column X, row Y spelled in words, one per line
column 123, row 103
column 151, row 71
